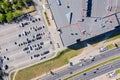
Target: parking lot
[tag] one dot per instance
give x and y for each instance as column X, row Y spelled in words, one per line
column 25, row 41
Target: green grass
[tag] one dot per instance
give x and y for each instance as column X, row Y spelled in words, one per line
column 36, row 70
column 47, row 19
column 111, row 46
column 61, row 59
column 118, row 71
column 115, row 35
column 98, row 65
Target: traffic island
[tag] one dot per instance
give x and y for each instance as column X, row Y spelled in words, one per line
column 47, row 19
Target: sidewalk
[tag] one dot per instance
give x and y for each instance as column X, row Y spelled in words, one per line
column 91, row 51
column 53, row 29
column 88, row 51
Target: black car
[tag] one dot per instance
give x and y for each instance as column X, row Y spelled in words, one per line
column 84, row 74
column 7, row 58
column 36, row 55
column 41, row 43
column 26, row 48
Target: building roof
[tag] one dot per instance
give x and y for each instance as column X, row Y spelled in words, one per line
column 102, row 8
column 78, row 29
column 87, row 29
column 59, row 12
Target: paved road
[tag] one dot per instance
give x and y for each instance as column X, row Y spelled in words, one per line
column 101, row 70
column 86, row 64
column 30, row 63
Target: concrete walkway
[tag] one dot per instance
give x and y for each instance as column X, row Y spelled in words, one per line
column 88, row 51
column 92, row 50
column 53, row 28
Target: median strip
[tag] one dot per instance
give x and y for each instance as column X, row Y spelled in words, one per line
column 98, row 65
column 47, row 19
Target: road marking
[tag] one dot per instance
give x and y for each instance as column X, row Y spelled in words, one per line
column 93, row 67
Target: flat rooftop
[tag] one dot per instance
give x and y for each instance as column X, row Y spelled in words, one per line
column 60, row 12
column 102, row 8
column 78, row 29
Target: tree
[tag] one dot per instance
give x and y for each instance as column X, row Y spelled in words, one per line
column 5, row 7
column 2, row 18
column 2, row 10
column 20, row 3
column 15, row 7
column 14, row 1
column 7, row 3
column 16, row 14
column 9, row 16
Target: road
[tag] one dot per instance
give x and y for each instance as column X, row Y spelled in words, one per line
column 30, row 63
column 101, row 70
column 86, row 64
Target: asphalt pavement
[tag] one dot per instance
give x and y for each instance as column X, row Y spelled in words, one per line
column 26, row 43
column 99, row 71
column 85, row 65
column 21, row 42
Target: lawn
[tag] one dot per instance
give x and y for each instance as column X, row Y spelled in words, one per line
column 118, row 71
column 61, row 59
column 111, row 46
column 98, row 65
column 36, row 70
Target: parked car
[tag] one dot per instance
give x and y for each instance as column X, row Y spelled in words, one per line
column 36, row 55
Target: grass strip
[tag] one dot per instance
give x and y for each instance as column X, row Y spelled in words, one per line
column 98, row 65
column 47, row 19
column 38, row 69
column 111, row 46
column 118, row 71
